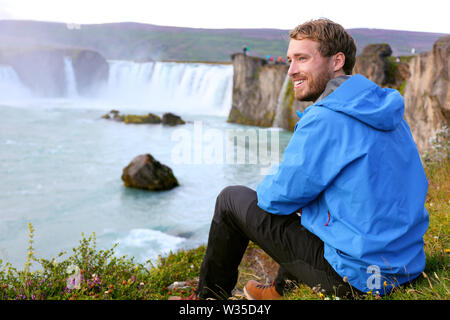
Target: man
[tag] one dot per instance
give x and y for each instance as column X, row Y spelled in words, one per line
column 345, row 210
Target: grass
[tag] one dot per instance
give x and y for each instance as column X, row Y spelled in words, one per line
column 90, row 274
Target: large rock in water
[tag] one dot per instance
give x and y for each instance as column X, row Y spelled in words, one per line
column 145, row 172
column 171, row 119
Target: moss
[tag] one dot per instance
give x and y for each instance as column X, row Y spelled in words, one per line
column 392, row 66
column 406, row 59
column 236, row 116
column 401, row 89
column 140, row 119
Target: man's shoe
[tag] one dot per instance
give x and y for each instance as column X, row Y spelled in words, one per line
column 253, row 290
column 191, row 297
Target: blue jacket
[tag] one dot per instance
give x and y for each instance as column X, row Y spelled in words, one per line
column 353, row 168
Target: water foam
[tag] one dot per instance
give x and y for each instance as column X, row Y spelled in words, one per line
column 146, row 244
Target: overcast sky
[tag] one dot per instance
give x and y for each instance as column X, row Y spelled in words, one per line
column 412, row 15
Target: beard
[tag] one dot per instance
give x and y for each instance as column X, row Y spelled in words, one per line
column 315, row 85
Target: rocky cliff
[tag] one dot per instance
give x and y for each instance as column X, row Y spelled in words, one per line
column 427, row 98
column 256, row 89
column 44, row 69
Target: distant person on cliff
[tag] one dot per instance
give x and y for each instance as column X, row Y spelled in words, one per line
column 345, row 210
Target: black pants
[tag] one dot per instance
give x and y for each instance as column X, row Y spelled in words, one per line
column 238, row 219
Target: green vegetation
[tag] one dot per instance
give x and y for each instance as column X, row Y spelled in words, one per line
column 96, row 274
column 140, row 119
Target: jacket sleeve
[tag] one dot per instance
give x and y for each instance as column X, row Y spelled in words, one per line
column 314, row 156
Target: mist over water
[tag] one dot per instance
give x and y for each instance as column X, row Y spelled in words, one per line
column 60, row 163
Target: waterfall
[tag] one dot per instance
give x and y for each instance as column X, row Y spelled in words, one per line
column 286, row 113
column 281, row 117
column 170, row 86
column 10, row 85
column 195, row 88
column 71, row 83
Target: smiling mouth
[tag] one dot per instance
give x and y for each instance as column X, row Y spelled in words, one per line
column 298, row 83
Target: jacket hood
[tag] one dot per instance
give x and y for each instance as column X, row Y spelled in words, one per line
column 360, row 98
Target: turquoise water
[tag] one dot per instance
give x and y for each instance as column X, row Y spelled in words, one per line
column 60, row 169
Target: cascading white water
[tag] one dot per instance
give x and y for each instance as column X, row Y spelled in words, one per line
column 11, row 88
column 71, row 83
column 170, row 86
column 195, row 88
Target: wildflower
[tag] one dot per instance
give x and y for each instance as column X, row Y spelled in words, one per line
column 74, row 280
column 345, row 279
column 321, row 296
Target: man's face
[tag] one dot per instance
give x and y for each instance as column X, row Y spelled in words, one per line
column 309, row 70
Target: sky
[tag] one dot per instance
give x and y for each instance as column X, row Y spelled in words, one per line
column 410, row 15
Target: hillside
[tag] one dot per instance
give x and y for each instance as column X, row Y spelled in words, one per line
column 141, row 42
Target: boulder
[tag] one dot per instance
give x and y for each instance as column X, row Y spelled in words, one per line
column 113, row 114
column 374, row 63
column 145, row 172
column 171, row 119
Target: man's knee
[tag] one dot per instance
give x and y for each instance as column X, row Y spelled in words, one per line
column 235, row 200
column 231, row 192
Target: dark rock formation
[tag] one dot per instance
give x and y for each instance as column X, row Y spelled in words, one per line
column 256, row 88
column 91, row 71
column 43, row 69
column 171, row 119
column 374, row 64
column 145, row 172
column 427, row 98
column 113, row 114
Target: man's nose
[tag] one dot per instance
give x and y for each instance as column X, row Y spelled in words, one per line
column 293, row 69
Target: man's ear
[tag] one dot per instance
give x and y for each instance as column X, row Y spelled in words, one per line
column 338, row 61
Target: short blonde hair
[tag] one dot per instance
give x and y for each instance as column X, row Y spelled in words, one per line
column 332, row 38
